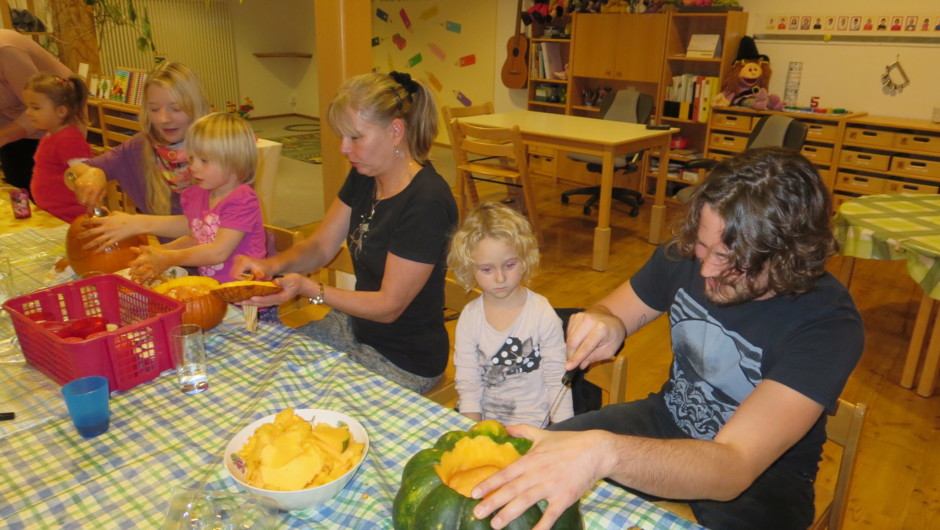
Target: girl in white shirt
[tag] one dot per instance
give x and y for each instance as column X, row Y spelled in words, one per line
column 509, row 350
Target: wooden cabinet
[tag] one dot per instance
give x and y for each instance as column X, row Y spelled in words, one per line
column 881, row 154
column 619, row 47
column 730, row 127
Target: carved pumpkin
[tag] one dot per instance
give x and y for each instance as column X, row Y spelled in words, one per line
column 108, row 259
column 436, row 482
column 201, row 306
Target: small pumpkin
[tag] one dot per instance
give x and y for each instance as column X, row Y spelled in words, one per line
column 201, row 307
column 436, row 482
column 108, row 259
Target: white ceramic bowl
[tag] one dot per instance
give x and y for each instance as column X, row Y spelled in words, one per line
column 300, row 499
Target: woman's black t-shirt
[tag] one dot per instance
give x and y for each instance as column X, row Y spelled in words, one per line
column 416, row 224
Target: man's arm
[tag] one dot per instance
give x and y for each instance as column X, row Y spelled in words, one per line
column 562, row 466
column 597, row 333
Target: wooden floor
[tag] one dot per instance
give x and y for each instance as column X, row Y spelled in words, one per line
column 897, row 481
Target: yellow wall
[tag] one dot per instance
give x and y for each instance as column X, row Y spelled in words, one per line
column 447, row 45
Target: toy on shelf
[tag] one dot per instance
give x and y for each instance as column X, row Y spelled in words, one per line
column 745, row 85
column 243, row 110
column 542, row 11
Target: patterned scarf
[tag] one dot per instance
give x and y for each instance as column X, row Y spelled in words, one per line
column 174, row 164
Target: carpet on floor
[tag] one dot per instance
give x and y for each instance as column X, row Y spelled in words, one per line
column 302, row 147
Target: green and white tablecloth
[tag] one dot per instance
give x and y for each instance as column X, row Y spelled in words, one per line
column 892, row 227
column 160, row 438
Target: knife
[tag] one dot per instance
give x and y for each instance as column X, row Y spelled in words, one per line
column 565, row 382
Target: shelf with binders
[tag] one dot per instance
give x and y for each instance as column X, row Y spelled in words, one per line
column 549, row 60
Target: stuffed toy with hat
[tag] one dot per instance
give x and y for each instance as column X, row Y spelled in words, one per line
column 745, row 85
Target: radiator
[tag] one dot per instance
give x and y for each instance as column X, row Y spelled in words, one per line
column 197, row 33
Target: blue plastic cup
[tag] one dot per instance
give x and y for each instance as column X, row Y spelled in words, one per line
column 88, row 401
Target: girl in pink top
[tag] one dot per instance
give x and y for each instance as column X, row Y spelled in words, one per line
column 56, row 105
column 222, row 214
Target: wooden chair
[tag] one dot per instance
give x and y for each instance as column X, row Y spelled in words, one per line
column 118, row 123
column 449, row 113
column 455, row 298
column 116, row 200
column 303, row 311
column 278, row 240
column 488, row 154
column 845, row 429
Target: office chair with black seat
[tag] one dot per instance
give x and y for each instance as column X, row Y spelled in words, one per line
column 773, row 130
column 629, row 106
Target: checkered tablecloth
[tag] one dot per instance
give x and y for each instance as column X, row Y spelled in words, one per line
column 892, row 227
column 160, row 438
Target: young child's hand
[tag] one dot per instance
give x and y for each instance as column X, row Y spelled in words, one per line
column 150, row 263
column 105, row 231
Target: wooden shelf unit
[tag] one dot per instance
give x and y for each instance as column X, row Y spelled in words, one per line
column 882, row 154
column 729, row 127
column 111, row 123
column 547, row 93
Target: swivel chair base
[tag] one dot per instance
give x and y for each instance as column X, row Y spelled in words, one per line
column 631, row 198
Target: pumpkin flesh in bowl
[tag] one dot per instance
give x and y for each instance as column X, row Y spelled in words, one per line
column 195, row 292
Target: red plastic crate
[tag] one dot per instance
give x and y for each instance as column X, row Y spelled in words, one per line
column 137, row 352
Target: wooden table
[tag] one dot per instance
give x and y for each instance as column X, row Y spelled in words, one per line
column 895, row 227
column 604, row 138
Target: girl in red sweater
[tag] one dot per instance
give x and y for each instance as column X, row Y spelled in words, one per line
column 57, row 105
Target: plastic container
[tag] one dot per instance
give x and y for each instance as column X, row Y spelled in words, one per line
column 134, row 353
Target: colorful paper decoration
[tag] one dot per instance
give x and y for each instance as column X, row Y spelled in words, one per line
column 405, row 20
column 415, row 59
column 463, row 99
column 435, row 82
column 436, row 50
column 452, row 26
column 467, row 60
column 428, row 13
column 399, row 41
column 381, row 14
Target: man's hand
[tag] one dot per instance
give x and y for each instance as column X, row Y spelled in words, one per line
column 593, row 335
column 560, row 467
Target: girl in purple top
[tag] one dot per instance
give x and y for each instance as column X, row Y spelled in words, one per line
column 151, row 167
column 222, row 214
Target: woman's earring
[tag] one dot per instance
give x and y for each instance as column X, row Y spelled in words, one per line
column 397, row 152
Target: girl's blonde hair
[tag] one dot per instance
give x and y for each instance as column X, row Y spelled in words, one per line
column 497, row 221
column 226, row 140
column 188, row 93
column 379, row 99
column 69, row 92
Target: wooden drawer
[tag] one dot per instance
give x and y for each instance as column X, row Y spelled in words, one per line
column 859, row 183
column 838, row 199
column 731, row 121
column 821, row 131
column 727, row 141
column 915, row 166
column 863, row 160
column 828, row 177
column 897, row 186
column 919, row 142
column 869, row 137
column 817, row 153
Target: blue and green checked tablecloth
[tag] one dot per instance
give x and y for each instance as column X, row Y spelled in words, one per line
column 160, row 438
column 893, row 227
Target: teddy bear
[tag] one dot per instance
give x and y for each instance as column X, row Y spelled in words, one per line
column 542, row 11
column 745, row 85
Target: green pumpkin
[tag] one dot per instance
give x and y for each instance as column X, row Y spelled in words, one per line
column 426, row 500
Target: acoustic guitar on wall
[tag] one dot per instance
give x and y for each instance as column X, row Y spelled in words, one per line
column 515, row 72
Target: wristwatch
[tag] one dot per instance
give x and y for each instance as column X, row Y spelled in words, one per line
column 318, row 300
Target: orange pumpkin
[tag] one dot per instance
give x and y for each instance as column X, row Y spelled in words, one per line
column 201, row 306
column 109, row 259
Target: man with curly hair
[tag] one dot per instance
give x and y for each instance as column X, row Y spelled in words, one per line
column 763, row 341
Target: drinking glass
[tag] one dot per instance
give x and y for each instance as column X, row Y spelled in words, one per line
column 88, row 401
column 189, row 356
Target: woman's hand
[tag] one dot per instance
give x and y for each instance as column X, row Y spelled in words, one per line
column 292, row 285
column 248, row 268
column 593, row 336
column 149, row 264
column 106, row 231
column 90, row 187
column 560, row 467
